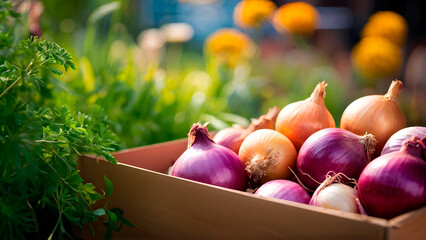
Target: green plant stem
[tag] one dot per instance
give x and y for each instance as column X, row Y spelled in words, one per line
column 59, row 218
column 34, row 216
column 46, row 141
column 19, row 78
column 11, row 85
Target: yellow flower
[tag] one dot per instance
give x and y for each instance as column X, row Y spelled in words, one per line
column 386, row 24
column 230, row 46
column 297, row 18
column 376, row 57
column 252, row 13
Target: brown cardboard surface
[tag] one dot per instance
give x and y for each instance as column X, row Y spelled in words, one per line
column 166, row 207
column 411, row 225
column 157, row 157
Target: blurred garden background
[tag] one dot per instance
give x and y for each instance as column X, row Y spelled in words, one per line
column 157, row 66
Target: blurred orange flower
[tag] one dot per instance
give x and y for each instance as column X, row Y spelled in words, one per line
column 386, row 24
column 376, row 57
column 297, row 18
column 230, row 46
column 252, row 13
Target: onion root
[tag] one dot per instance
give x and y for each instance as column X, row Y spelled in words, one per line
column 258, row 166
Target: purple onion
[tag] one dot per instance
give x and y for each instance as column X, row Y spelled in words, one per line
column 231, row 138
column 284, row 189
column 394, row 143
column 336, row 150
column 395, row 183
column 207, row 162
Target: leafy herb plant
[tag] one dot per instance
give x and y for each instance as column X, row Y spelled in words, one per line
column 41, row 192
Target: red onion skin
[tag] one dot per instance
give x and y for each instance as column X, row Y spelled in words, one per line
column 211, row 163
column 392, row 184
column 231, row 138
column 394, row 143
column 330, row 149
column 284, row 189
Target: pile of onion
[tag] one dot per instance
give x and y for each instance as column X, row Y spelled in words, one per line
column 207, row 162
column 233, row 137
column 333, row 149
column 395, row 183
column 268, row 155
column 375, row 114
column 333, row 194
column 394, row 143
column 298, row 120
column 284, row 189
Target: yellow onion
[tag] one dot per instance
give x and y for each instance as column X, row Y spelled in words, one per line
column 299, row 120
column 266, row 121
column 268, row 155
column 375, row 114
column 233, row 137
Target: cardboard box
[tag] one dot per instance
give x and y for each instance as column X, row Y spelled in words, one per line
column 167, row 207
